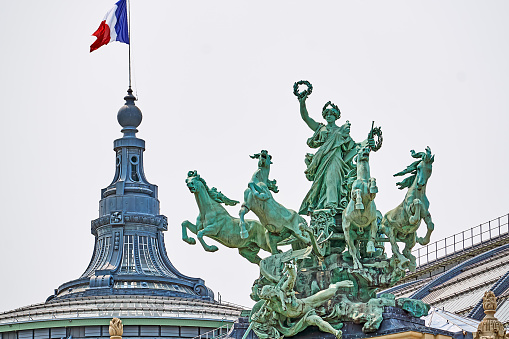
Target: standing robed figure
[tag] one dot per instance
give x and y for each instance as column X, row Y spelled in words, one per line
column 329, row 166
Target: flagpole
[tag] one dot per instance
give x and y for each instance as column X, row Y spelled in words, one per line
column 129, row 36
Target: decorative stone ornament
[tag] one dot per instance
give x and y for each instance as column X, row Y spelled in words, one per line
column 116, row 328
column 490, row 327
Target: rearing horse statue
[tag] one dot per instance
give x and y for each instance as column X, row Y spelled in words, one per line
column 216, row 223
column 360, row 212
column 401, row 223
column 279, row 221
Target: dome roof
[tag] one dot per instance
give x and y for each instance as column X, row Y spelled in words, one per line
column 128, row 306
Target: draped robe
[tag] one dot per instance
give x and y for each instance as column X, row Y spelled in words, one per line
column 328, row 169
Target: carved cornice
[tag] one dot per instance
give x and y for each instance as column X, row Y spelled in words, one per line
column 116, row 218
column 129, row 189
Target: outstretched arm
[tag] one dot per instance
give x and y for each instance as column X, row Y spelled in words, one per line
column 305, row 115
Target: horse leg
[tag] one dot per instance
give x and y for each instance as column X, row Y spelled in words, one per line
column 407, row 251
column 370, row 247
column 358, row 199
column 349, row 243
column 251, row 255
column 389, row 232
column 188, row 225
column 415, row 217
column 243, row 230
column 243, row 210
column 373, row 188
column 430, row 227
column 273, row 239
column 211, row 229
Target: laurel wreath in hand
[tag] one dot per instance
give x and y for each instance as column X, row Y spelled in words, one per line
column 306, row 92
column 378, row 132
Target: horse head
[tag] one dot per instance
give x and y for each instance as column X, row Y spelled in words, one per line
column 420, row 170
column 363, row 154
column 262, row 175
column 195, row 183
column 424, row 168
column 264, row 159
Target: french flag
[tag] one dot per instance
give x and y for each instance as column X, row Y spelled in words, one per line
column 113, row 27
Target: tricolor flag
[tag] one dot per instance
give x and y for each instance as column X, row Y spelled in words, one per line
column 113, row 27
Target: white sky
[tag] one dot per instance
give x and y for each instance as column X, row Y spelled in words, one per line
column 214, row 80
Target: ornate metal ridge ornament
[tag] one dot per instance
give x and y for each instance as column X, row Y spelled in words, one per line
column 337, row 264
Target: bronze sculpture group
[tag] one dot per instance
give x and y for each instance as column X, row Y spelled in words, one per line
column 337, row 263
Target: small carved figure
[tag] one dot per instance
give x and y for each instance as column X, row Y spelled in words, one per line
column 369, row 313
column 361, row 211
column 216, row 223
column 279, row 221
column 294, row 315
column 273, row 267
column 415, row 307
column 328, row 167
column 401, row 223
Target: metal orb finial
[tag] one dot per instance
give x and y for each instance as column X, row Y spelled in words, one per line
column 129, row 116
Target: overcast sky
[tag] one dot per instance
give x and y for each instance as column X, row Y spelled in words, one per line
column 214, row 80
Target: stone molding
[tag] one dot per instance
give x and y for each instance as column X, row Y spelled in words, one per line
column 119, row 218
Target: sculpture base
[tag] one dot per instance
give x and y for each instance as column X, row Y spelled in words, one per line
column 397, row 324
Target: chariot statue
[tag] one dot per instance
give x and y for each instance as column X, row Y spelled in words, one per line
column 336, row 265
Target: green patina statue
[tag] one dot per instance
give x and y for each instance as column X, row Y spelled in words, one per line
column 280, row 313
column 361, row 213
column 280, row 222
column 337, row 264
column 329, row 166
column 369, row 314
column 215, row 222
column 293, row 315
column 401, row 223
